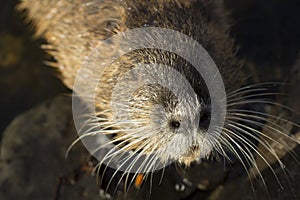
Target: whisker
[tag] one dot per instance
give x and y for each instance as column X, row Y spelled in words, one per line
column 249, row 157
column 233, row 150
column 237, row 99
column 265, row 101
column 254, row 85
column 252, row 146
column 262, row 142
column 263, row 114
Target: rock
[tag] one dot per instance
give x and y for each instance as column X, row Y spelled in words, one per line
column 33, row 163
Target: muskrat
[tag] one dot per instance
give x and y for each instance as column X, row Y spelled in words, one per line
column 177, row 129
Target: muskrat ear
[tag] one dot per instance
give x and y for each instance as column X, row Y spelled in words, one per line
column 204, row 119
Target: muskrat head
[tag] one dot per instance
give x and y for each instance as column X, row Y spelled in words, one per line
column 164, row 115
column 183, row 126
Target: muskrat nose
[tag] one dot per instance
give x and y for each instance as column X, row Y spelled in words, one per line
column 204, row 119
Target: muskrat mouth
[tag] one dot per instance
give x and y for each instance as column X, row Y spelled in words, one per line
column 191, row 155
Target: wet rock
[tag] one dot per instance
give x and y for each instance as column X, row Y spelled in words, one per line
column 279, row 184
column 33, row 163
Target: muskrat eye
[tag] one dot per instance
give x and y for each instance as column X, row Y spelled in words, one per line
column 204, row 119
column 175, row 124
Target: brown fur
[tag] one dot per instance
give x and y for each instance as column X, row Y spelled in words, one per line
column 73, row 28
